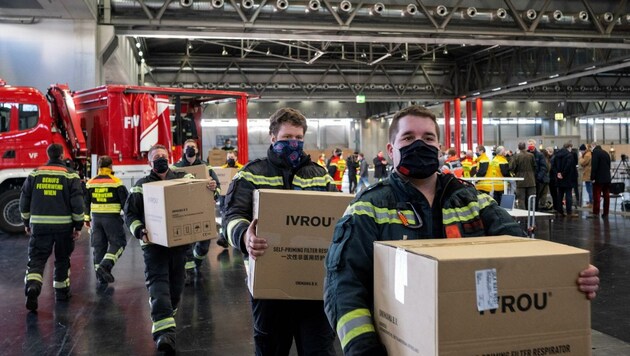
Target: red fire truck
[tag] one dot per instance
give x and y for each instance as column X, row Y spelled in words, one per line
column 120, row 121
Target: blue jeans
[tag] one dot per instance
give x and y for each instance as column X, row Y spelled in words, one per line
column 363, row 182
column 589, row 190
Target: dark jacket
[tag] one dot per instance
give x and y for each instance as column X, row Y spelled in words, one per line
column 52, row 199
column 542, row 171
column 267, row 173
column 363, row 168
column 380, row 169
column 523, row 165
column 134, row 206
column 600, row 166
column 458, row 211
column 183, row 162
column 565, row 164
column 105, row 194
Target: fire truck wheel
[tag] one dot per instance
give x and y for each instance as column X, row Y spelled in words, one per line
column 10, row 220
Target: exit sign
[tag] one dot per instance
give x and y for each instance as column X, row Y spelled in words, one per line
column 360, row 99
column 559, row 116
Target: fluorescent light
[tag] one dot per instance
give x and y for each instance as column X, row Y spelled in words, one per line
column 554, row 76
column 385, row 56
column 315, row 57
column 522, row 83
column 476, row 93
column 496, row 89
column 589, row 68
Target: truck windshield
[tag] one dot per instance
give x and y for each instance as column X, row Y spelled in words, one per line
column 18, row 117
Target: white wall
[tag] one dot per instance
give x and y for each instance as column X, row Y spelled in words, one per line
column 51, row 51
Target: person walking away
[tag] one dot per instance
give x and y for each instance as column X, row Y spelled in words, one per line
column 278, row 322
column 600, row 176
column 336, row 167
column 565, row 169
column 104, row 200
column 419, row 193
column 585, row 164
column 364, row 179
column 380, row 166
column 542, row 170
column 164, row 266
column 51, row 206
column 197, row 251
column 523, row 165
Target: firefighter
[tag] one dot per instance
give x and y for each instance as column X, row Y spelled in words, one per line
column 482, row 170
column 232, row 162
column 415, row 202
column 336, row 167
column 164, row 266
column 104, row 198
column 467, row 164
column 197, row 252
column 51, row 205
column 453, row 164
column 277, row 322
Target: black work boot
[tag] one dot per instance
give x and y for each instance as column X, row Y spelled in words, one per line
column 222, row 241
column 105, row 274
column 32, row 292
column 166, row 342
column 62, row 293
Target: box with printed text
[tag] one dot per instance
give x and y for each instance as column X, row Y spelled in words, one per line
column 298, row 226
column 179, row 211
column 497, row 295
column 225, row 176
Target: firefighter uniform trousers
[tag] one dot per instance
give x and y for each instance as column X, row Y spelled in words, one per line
column 277, row 322
column 40, row 246
column 195, row 253
column 164, row 273
column 108, row 239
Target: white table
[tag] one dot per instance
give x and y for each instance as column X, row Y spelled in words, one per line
column 522, row 214
column 505, row 180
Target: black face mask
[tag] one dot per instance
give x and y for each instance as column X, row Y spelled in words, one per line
column 160, row 165
column 190, row 152
column 231, row 162
column 418, row 160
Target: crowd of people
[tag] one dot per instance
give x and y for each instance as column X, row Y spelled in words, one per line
column 421, row 197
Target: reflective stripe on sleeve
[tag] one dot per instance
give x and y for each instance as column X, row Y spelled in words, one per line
column 381, row 215
column 312, row 182
column 468, row 212
column 353, row 324
column 230, row 229
column 134, row 225
column 136, row 189
column 259, row 180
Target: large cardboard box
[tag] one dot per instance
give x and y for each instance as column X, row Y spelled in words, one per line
column 200, row 171
column 480, row 296
column 179, row 211
column 298, row 226
column 225, row 176
column 217, row 157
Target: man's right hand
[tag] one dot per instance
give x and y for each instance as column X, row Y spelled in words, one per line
column 255, row 245
column 145, row 235
column 27, row 230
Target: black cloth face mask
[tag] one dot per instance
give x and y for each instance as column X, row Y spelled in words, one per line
column 418, row 160
column 160, row 165
column 190, row 152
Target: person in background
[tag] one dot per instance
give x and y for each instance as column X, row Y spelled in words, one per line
column 104, row 200
column 231, row 160
column 364, row 179
column 523, row 165
column 553, row 187
column 322, row 160
column 380, row 166
column 499, row 168
column 227, row 145
column 51, row 206
column 600, row 176
column 198, row 251
column 418, row 202
column 565, row 169
column 278, row 322
column 468, row 162
column 575, row 179
column 164, row 266
column 482, row 170
column 352, row 164
column 542, row 178
column 336, row 167
column 585, row 164
column 452, row 164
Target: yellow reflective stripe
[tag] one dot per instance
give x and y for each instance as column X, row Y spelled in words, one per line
column 468, row 212
column 190, row 265
column 62, row 284
column 353, row 324
column 259, row 180
column 136, row 189
column 33, row 277
column 87, row 218
column 312, row 182
column 105, row 208
column 380, row 215
column 54, row 220
column 46, row 172
column 230, row 229
column 163, row 324
column 103, row 185
column 77, row 217
column 134, row 225
column 25, row 216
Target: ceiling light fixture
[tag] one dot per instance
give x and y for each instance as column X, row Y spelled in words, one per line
column 224, row 52
column 315, row 57
column 385, row 56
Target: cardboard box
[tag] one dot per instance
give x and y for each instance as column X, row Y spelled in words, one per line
column 480, row 296
column 217, row 157
column 179, row 211
column 298, row 226
column 225, row 176
column 200, row 171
